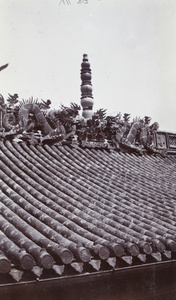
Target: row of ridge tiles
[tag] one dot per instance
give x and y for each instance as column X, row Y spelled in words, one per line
column 64, row 205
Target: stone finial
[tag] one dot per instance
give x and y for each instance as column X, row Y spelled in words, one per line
column 86, row 88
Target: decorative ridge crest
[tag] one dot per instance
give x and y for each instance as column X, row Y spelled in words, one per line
column 34, row 122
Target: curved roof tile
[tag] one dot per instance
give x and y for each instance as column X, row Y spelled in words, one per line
column 64, row 207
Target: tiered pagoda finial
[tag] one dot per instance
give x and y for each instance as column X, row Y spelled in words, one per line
column 86, row 89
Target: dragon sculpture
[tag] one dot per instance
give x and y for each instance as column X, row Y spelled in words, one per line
column 143, row 132
column 36, row 122
column 32, row 116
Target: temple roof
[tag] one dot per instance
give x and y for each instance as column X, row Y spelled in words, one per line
column 82, row 196
column 68, row 211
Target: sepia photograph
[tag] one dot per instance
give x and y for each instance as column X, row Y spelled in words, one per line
column 87, row 149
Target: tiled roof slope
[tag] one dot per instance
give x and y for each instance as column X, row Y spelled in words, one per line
column 71, row 210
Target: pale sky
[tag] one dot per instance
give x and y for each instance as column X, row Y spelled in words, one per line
column 131, row 45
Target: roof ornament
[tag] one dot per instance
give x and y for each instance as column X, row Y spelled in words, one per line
column 12, row 99
column 2, row 112
column 86, row 89
column 137, row 136
column 35, row 122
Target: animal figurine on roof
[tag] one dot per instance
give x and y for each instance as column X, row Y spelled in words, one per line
column 144, row 133
column 122, row 129
column 31, row 117
column 13, row 99
column 45, row 104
